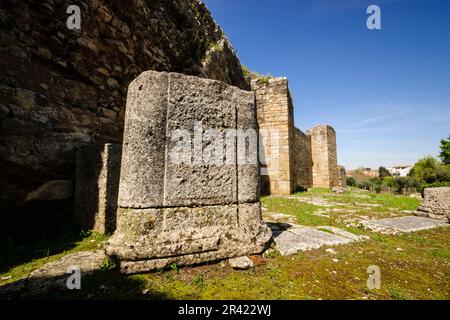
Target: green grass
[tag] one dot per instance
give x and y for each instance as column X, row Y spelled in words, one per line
column 356, row 203
column 361, row 196
column 14, row 269
column 302, row 211
column 413, row 266
column 411, row 273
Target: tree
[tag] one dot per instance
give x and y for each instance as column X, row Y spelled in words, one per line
column 445, row 150
column 389, row 182
column 351, row 181
column 425, row 169
column 383, row 172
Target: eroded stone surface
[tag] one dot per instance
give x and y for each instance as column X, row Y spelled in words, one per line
column 185, row 210
column 402, row 224
column 436, row 204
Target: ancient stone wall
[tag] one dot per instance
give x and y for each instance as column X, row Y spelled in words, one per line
column 276, row 124
column 291, row 159
column 61, row 89
column 323, row 146
column 174, row 205
column 302, row 156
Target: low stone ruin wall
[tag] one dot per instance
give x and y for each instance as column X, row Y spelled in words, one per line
column 436, row 203
column 174, row 205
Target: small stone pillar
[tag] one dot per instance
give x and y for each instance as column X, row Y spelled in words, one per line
column 96, row 187
column 175, row 205
column 436, row 203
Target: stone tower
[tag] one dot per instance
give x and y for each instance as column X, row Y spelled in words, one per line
column 276, row 124
column 323, row 149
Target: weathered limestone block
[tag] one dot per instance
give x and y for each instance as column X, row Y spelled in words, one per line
column 96, row 187
column 436, row 204
column 190, row 205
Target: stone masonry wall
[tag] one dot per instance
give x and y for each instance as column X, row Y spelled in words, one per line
column 302, row 155
column 294, row 160
column 323, row 145
column 61, row 89
column 275, row 118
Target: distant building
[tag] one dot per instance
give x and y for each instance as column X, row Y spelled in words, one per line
column 400, row 170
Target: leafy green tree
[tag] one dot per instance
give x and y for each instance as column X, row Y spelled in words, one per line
column 389, row 182
column 425, row 170
column 445, row 150
column 383, row 172
column 351, row 181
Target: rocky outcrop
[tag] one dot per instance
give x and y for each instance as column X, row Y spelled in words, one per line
column 61, row 89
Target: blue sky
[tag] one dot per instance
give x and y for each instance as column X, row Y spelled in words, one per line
column 386, row 92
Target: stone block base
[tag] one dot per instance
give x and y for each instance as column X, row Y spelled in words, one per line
column 436, row 204
column 149, row 239
column 427, row 213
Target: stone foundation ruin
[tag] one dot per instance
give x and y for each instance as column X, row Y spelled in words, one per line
column 184, row 213
column 435, row 204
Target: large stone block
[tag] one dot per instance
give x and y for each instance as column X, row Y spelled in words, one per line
column 324, row 158
column 187, row 194
column 96, row 186
column 436, row 203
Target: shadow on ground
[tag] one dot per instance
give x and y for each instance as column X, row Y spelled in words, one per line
column 101, row 285
column 36, row 233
